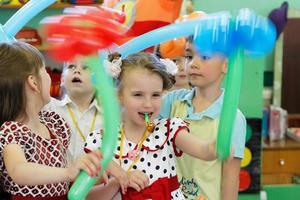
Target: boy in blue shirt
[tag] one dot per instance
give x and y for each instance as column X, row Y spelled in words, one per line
column 201, row 108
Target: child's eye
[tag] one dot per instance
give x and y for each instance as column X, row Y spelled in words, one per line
column 188, row 57
column 205, row 57
column 156, row 95
column 137, row 94
column 72, row 67
column 85, row 67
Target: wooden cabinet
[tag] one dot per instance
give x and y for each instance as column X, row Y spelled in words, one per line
column 280, row 161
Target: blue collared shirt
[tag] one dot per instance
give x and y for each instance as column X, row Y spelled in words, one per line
column 213, row 112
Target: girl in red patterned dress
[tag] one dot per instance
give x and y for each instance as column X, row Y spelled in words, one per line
column 33, row 144
column 150, row 150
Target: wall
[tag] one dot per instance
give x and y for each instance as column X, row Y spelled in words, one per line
column 262, row 7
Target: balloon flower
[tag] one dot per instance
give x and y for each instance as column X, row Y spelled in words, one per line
column 84, row 31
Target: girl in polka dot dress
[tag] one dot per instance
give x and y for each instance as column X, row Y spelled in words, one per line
column 33, row 144
column 150, row 149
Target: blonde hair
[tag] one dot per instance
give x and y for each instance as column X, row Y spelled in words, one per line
column 147, row 61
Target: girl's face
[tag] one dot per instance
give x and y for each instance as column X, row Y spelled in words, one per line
column 204, row 71
column 181, row 78
column 45, row 85
column 76, row 78
column 140, row 93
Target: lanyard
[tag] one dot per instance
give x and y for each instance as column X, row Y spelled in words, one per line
column 76, row 124
column 137, row 151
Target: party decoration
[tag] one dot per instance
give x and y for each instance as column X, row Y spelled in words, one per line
column 83, row 31
column 24, row 15
column 247, row 157
column 176, row 47
column 279, row 17
column 129, row 9
column 245, row 180
column 3, row 2
column 141, row 19
column 154, row 14
column 250, row 174
column 224, row 35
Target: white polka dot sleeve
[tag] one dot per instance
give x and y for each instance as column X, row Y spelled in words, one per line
column 93, row 141
column 176, row 125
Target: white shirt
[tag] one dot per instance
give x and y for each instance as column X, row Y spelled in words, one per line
column 83, row 119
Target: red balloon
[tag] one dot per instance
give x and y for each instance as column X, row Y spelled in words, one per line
column 84, row 31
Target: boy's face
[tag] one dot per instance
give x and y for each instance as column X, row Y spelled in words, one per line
column 76, row 78
column 204, row 71
column 181, row 79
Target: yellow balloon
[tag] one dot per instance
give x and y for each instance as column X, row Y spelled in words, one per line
column 247, row 157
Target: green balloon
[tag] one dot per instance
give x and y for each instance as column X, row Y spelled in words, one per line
column 230, row 104
column 248, row 133
column 105, row 93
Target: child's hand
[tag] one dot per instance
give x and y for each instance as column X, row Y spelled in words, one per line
column 103, row 179
column 123, row 180
column 138, row 180
column 120, row 174
column 89, row 162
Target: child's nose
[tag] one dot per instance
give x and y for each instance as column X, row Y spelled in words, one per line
column 77, row 70
column 147, row 103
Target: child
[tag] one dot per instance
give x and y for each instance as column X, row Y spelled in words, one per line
column 201, row 108
column 151, row 150
column 33, row 144
column 181, row 79
column 79, row 106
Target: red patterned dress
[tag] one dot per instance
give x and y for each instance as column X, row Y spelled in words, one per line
column 50, row 152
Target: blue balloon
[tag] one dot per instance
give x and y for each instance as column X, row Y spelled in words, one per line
column 24, row 15
column 3, row 35
column 244, row 27
column 255, row 34
column 263, row 38
column 157, row 36
column 214, row 35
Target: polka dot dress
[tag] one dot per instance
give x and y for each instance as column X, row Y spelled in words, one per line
column 50, row 152
column 157, row 155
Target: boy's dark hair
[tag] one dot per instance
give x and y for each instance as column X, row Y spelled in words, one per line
column 18, row 60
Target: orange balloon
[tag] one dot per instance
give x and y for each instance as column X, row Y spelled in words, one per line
column 175, row 48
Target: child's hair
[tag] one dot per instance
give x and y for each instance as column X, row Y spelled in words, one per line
column 147, row 61
column 18, row 60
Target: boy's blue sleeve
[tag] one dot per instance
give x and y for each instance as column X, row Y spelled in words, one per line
column 166, row 105
column 239, row 135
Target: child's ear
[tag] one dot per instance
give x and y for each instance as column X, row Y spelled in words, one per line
column 32, row 83
column 120, row 98
column 224, row 67
column 62, row 80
